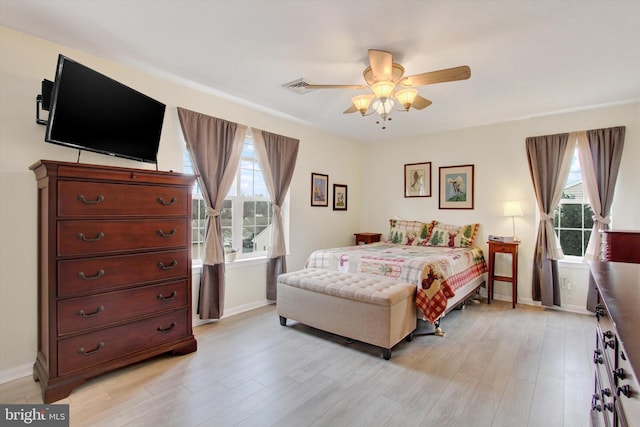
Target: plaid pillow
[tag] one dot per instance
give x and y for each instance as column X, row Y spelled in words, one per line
column 402, row 232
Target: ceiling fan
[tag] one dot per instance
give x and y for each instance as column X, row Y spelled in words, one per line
column 388, row 85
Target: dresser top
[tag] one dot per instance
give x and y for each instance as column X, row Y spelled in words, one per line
column 619, row 285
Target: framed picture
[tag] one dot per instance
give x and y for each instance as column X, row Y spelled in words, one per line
column 319, row 189
column 417, row 180
column 339, row 197
column 456, row 187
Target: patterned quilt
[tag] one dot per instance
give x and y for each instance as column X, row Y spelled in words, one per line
column 437, row 271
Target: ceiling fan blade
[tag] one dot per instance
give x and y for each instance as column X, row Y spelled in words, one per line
column 350, row 110
column 440, row 76
column 381, row 64
column 336, row 87
column 420, row 102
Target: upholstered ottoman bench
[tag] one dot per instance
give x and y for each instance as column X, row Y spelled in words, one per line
column 375, row 310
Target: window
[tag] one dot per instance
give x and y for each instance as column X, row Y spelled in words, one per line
column 246, row 212
column 572, row 218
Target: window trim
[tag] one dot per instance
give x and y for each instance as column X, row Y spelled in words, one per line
column 237, row 202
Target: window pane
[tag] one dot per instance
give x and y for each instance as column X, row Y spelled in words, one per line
column 263, row 213
column 226, row 214
column 571, row 242
column 246, row 183
column 571, row 215
column 588, row 216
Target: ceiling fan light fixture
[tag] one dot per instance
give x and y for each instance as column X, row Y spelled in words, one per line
column 406, row 97
column 383, row 89
column 383, row 108
column 362, row 102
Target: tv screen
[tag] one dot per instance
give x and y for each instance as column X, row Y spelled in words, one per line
column 90, row 111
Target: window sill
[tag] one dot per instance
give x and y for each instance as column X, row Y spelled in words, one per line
column 574, row 262
column 196, row 265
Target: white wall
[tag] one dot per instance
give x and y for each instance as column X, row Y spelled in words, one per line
column 24, row 62
column 501, row 174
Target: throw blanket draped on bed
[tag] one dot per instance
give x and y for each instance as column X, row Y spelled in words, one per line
column 437, row 271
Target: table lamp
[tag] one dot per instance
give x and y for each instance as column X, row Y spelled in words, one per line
column 513, row 209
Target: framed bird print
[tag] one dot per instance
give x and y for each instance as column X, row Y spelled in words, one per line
column 417, row 180
column 456, row 187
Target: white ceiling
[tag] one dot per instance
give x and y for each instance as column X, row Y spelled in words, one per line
column 527, row 58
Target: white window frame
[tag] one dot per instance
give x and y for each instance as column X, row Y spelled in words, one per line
column 237, row 205
column 582, row 201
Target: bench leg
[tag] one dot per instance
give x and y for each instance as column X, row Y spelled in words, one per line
column 386, row 353
column 283, row 321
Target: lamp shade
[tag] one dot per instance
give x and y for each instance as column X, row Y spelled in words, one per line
column 362, row 102
column 406, row 97
column 512, row 208
column 383, row 89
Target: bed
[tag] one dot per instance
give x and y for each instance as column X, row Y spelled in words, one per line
column 439, row 258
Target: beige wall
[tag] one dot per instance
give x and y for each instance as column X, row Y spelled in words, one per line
column 375, row 191
column 501, row 173
column 24, row 62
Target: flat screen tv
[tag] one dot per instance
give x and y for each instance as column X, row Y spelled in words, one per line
column 90, row 111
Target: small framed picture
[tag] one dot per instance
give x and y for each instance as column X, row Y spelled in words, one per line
column 339, row 197
column 456, row 187
column 417, row 180
column 319, row 189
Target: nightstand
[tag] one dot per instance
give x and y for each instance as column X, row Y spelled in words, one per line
column 505, row 248
column 364, row 238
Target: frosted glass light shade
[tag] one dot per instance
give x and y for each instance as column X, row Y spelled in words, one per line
column 383, row 89
column 362, row 102
column 406, row 97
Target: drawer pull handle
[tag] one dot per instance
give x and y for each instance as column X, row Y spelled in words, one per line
column 607, row 334
column 625, row 389
column 95, row 313
column 84, row 238
column 83, row 352
column 91, row 202
column 169, row 329
column 597, row 359
column 619, row 373
column 98, row 275
column 594, row 403
column 169, row 298
column 608, row 407
column 167, row 267
column 171, row 233
column 171, row 202
column 610, row 343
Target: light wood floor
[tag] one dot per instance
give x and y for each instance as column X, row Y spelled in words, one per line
column 495, row 367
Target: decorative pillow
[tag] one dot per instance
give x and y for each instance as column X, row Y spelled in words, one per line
column 454, row 236
column 404, row 232
column 425, row 234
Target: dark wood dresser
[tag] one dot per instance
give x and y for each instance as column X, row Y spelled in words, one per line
column 616, row 398
column 621, row 245
column 114, row 270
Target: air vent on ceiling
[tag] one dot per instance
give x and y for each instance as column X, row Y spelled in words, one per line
column 298, row 86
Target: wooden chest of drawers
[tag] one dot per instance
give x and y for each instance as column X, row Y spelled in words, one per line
column 114, row 270
column 616, row 397
column 621, row 245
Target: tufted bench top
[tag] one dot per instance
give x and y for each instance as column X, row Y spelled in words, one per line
column 359, row 287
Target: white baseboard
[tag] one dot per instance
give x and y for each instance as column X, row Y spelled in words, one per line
column 15, row 373
column 235, row 310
